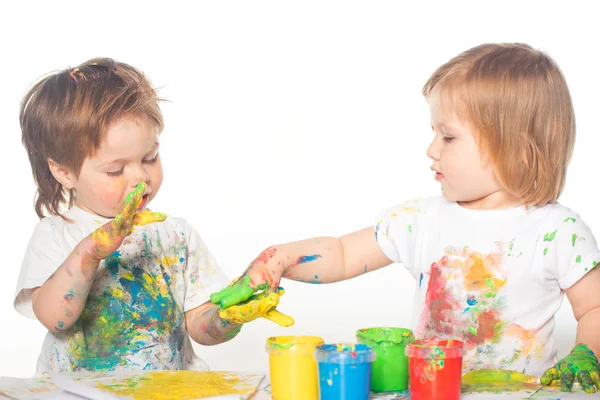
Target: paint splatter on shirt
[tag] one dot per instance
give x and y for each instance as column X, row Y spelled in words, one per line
column 492, row 278
column 134, row 316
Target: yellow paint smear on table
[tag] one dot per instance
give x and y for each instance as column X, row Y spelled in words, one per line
column 179, row 385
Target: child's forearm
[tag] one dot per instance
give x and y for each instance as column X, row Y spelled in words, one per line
column 58, row 303
column 205, row 326
column 588, row 330
column 326, row 259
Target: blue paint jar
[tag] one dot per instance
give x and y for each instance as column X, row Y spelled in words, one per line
column 344, row 371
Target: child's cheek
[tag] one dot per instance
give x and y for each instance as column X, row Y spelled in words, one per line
column 114, row 192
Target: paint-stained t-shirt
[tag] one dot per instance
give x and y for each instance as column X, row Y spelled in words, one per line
column 492, row 278
column 133, row 318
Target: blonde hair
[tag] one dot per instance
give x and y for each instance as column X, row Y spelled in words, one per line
column 65, row 116
column 518, row 102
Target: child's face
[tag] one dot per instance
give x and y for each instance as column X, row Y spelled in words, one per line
column 128, row 155
column 464, row 174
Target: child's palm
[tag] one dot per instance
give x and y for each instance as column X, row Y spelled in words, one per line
column 108, row 238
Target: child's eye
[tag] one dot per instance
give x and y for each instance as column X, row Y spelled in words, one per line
column 448, row 138
column 115, row 173
column 151, row 161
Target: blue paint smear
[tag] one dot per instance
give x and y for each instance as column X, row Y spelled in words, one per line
column 112, row 263
column 471, row 301
column 421, row 280
column 305, row 259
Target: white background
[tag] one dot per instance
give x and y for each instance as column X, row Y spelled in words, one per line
column 287, row 120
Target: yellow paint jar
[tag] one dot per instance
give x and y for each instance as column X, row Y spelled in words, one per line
column 293, row 367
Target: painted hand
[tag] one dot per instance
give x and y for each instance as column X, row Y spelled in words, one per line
column 581, row 365
column 108, row 238
column 261, row 305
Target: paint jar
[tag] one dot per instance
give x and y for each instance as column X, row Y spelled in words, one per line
column 293, row 367
column 344, row 371
column 390, row 369
column 435, row 368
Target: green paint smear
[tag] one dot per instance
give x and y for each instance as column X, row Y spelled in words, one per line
column 410, row 228
column 545, row 251
column 570, row 220
column 548, row 237
column 573, row 238
column 572, row 367
column 380, row 336
column 578, row 259
column 498, row 381
column 236, row 293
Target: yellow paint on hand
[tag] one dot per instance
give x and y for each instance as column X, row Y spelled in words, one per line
column 166, row 385
column 260, row 305
column 147, row 217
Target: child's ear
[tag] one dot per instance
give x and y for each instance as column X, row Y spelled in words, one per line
column 61, row 174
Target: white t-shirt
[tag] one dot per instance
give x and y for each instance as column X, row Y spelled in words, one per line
column 133, row 318
column 492, row 278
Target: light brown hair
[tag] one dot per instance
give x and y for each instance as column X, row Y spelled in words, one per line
column 517, row 100
column 65, row 116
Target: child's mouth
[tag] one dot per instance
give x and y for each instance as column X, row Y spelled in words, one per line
column 143, row 202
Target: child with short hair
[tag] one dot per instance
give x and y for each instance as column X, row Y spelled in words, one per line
column 494, row 255
column 118, row 287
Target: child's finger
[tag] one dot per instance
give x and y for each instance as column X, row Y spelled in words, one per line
column 586, row 382
column 595, row 378
column 216, row 297
column 279, row 318
column 117, row 223
column 147, row 217
column 237, row 294
column 549, row 376
column 566, row 381
column 133, row 200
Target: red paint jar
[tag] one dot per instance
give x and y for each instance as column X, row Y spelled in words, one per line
column 434, row 369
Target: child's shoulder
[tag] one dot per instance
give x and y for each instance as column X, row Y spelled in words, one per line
column 420, row 204
column 557, row 214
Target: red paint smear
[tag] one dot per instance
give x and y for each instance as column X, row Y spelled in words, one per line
column 439, row 303
column 266, row 255
column 488, row 322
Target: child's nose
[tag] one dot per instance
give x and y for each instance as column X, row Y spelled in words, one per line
column 141, row 176
column 433, row 151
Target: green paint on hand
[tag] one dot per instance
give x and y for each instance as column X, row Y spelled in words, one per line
column 233, row 294
column 548, row 237
column 139, row 189
column 581, row 365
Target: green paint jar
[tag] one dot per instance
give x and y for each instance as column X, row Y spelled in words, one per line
column 390, row 369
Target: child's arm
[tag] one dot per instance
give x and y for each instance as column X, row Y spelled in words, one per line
column 582, row 363
column 206, row 327
column 58, row 303
column 584, row 297
column 319, row 260
column 316, row 260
